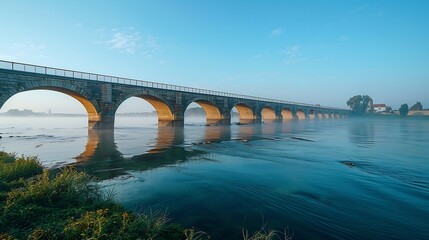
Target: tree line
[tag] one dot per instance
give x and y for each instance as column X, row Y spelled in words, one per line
column 361, row 104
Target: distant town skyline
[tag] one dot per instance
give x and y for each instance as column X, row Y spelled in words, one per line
column 315, row 52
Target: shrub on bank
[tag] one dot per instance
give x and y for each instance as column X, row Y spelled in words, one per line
column 12, row 168
column 68, row 205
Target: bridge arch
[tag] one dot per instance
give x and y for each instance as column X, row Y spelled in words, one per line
column 326, row 114
column 311, row 114
column 213, row 114
column 319, row 114
column 300, row 113
column 91, row 106
column 268, row 113
column 162, row 108
column 245, row 112
column 337, row 115
column 287, row 113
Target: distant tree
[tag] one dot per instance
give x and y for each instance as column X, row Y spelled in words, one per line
column 403, row 110
column 416, row 107
column 361, row 104
column 389, row 109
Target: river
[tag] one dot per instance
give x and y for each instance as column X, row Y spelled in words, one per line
column 319, row 179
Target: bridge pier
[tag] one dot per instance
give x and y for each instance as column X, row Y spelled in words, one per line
column 176, row 119
column 104, row 121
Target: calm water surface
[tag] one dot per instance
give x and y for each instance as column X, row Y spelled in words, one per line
column 321, row 179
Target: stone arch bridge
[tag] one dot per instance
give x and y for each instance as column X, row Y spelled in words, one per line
column 101, row 96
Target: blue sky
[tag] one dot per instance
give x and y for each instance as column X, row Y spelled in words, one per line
column 306, row 51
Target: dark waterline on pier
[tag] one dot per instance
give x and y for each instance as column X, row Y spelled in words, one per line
column 323, row 179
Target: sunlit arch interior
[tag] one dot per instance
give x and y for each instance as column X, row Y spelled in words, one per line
column 163, row 110
column 245, row 113
column 287, row 114
column 210, row 111
column 300, row 114
column 150, row 107
column 47, row 112
column 319, row 114
column 52, row 100
column 337, row 116
column 268, row 114
column 326, row 114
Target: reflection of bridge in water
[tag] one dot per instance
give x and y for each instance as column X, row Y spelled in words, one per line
column 102, row 157
column 101, row 95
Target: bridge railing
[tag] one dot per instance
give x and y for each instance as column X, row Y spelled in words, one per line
column 16, row 66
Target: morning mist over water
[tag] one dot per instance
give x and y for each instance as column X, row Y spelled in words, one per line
column 320, row 178
column 247, row 120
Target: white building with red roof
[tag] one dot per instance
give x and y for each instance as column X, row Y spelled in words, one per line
column 379, row 107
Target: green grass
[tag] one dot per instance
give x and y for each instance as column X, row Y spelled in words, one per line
column 38, row 204
column 69, row 204
column 13, row 168
column 266, row 235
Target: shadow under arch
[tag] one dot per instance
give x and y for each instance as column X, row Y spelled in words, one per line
column 300, row 114
column 268, row 114
column 90, row 106
column 287, row 113
column 245, row 113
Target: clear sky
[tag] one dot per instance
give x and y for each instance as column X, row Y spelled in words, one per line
column 306, row 51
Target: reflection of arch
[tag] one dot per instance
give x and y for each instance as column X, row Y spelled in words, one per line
column 300, row 114
column 287, row 113
column 68, row 89
column 311, row 114
column 100, row 143
column 168, row 137
column 217, row 133
column 101, row 153
column 245, row 113
column 327, row 115
column 268, row 113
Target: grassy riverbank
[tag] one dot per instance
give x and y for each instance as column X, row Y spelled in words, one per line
column 36, row 203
